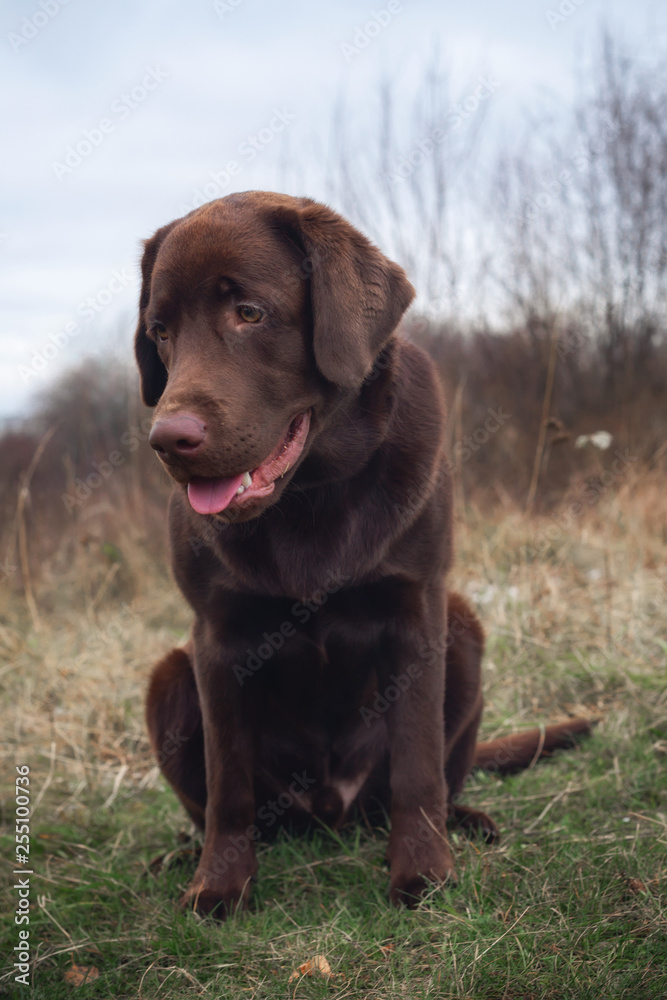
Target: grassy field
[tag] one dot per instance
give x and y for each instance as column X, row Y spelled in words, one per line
column 572, row 903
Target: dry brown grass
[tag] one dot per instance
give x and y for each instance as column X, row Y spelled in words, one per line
column 73, row 690
column 577, row 601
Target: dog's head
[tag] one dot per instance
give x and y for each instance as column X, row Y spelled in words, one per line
column 258, row 312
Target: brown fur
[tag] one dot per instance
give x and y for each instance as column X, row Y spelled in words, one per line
column 369, row 694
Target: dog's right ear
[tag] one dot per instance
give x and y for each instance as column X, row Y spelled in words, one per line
column 152, row 372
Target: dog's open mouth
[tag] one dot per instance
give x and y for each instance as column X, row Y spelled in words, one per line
column 211, row 496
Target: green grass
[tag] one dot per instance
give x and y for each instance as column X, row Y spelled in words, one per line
column 570, row 905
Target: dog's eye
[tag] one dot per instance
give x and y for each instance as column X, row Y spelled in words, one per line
column 250, row 314
column 160, row 331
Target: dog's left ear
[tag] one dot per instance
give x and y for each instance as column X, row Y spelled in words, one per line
column 358, row 295
column 151, row 370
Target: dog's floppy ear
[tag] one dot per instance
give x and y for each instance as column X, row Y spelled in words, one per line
column 151, row 370
column 358, row 295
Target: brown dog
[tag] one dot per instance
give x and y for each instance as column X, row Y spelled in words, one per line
column 311, row 534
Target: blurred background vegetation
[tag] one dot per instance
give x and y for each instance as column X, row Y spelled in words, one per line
column 542, row 278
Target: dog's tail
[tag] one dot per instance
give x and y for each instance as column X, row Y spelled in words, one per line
column 522, row 750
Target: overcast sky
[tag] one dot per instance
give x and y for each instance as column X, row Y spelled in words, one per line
column 119, row 116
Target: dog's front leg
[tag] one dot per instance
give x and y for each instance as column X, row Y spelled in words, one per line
column 227, row 864
column 418, row 847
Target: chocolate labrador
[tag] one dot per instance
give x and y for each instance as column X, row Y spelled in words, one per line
column 310, row 525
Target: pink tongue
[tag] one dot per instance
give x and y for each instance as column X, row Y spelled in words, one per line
column 210, row 496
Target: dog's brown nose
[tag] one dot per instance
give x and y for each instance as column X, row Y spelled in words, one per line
column 181, row 435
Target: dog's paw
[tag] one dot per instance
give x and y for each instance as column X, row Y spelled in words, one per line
column 221, row 889
column 407, row 887
column 218, row 903
column 417, row 864
column 474, row 822
column 219, row 900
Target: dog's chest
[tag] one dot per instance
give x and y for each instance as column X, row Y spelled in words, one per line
column 310, row 695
